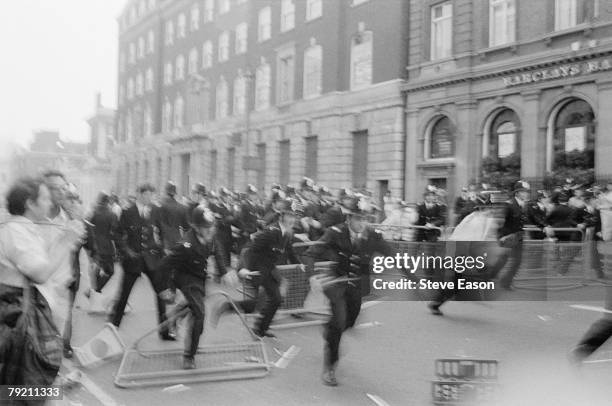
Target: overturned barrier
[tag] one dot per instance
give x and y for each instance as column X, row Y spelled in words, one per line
column 301, row 306
column 245, row 360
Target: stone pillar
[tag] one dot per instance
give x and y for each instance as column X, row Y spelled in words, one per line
column 533, row 139
column 413, row 155
column 466, row 147
column 603, row 136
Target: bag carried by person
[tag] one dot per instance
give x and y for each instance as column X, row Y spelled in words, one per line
column 36, row 345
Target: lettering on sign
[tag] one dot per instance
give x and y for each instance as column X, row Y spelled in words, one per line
column 560, row 72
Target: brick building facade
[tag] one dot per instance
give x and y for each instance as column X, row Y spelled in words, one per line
column 262, row 91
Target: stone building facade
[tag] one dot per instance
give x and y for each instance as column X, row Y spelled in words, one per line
column 491, row 81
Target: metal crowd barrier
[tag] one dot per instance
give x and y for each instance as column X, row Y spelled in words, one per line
column 243, row 360
column 301, row 307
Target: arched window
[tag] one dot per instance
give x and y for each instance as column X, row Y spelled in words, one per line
column 262, row 86
column 313, row 66
column 147, row 121
column 442, row 139
column 239, row 95
column 574, row 136
column 504, row 136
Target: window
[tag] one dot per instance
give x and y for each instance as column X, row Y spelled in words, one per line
column 142, row 8
column 361, row 60
column 147, row 121
column 262, row 87
column 194, row 24
column 130, row 89
column 139, row 84
column 178, row 112
column 314, row 9
column 441, row 140
column 181, row 26
column 169, row 33
column 209, row 10
column 121, row 94
column 207, row 54
column 285, row 66
column 264, row 24
column 502, row 17
column 132, row 15
column 150, row 42
column 358, row 2
column 224, row 6
column 129, row 126
column 313, row 63
column 241, row 38
column 441, row 31
column 149, row 80
column 132, row 53
column 311, row 159
column 193, row 61
column 168, row 73
column 239, row 95
column 284, row 161
column 565, row 14
column 287, row 15
column 180, row 67
column 221, row 99
column 141, row 47
column 504, row 135
column 224, row 46
column 122, row 62
column 573, row 142
column 167, row 116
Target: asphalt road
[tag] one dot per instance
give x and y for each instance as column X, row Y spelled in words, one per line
column 391, row 357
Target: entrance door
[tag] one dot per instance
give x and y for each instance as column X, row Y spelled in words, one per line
column 185, row 168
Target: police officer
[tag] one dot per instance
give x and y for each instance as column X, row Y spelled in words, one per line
column 431, row 215
column 186, row 265
column 172, row 218
column 351, row 245
column 511, row 232
column 138, row 241
column 269, row 248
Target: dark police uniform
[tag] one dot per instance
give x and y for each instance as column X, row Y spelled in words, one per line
column 435, row 214
column 511, row 236
column 187, row 267
column 140, row 253
column 352, row 254
column 269, row 248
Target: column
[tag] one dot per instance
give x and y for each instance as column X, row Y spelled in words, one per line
column 533, row 138
column 603, row 136
column 467, row 153
column 413, row 155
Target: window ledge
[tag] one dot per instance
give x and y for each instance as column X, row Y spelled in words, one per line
column 313, row 19
column 512, row 46
column 437, row 163
column 586, row 28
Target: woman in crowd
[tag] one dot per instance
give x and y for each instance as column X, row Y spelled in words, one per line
column 27, row 259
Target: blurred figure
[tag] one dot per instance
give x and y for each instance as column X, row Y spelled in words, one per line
column 172, row 218
column 562, row 216
column 105, row 224
column 403, row 215
column 432, row 215
column 27, row 258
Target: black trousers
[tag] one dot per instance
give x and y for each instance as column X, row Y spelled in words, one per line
column 194, row 293
column 106, row 263
column 345, row 302
column 515, row 257
column 596, row 335
column 131, row 272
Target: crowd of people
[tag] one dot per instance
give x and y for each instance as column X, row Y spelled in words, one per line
column 169, row 239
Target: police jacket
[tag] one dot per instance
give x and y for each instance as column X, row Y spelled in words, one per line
column 172, row 218
column 352, row 255
column 188, row 260
column 515, row 218
column 269, row 248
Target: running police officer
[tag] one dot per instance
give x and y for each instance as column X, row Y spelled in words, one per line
column 351, row 245
column 186, row 268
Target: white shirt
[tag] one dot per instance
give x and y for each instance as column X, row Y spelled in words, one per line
column 23, row 251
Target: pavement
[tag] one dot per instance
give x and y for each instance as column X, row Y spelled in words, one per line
column 388, row 360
